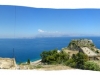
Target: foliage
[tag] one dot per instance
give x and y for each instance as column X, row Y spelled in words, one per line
column 28, row 61
column 80, row 61
column 54, row 57
column 91, row 66
column 70, row 63
column 92, row 45
column 77, row 61
column 80, row 58
column 97, row 51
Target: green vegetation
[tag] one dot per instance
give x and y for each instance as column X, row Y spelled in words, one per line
column 28, row 61
column 97, row 51
column 54, row 57
column 91, row 66
column 79, row 60
column 81, row 43
column 70, row 63
column 92, row 45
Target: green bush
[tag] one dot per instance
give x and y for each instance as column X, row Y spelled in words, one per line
column 73, row 64
column 80, row 59
column 91, row 66
column 92, row 45
column 70, row 63
column 77, row 60
column 97, row 51
column 54, row 57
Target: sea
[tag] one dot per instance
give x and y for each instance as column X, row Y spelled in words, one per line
column 24, row 49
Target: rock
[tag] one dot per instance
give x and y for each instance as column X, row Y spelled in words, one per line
column 76, row 43
column 7, row 63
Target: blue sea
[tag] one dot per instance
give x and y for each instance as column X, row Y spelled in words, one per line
column 31, row 48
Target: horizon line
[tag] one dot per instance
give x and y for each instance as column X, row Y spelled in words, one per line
column 42, row 37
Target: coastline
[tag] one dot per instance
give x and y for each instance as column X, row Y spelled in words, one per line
column 31, row 62
column 35, row 62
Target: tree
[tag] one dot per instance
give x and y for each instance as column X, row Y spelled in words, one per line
column 28, row 61
column 54, row 57
column 80, row 59
column 63, row 56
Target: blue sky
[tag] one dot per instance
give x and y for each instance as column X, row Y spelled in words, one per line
column 37, row 22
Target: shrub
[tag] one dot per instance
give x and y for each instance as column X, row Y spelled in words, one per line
column 77, row 61
column 91, row 66
column 97, row 51
column 73, row 64
column 91, row 44
column 54, row 57
column 70, row 63
column 80, row 59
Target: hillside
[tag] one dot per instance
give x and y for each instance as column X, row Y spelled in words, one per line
column 85, row 46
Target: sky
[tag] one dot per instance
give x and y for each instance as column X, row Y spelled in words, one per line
column 27, row 22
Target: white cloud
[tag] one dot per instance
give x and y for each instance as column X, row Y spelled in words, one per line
column 41, row 31
column 47, row 32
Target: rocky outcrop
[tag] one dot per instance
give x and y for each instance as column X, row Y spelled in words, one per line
column 7, row 63
column 75, row 44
